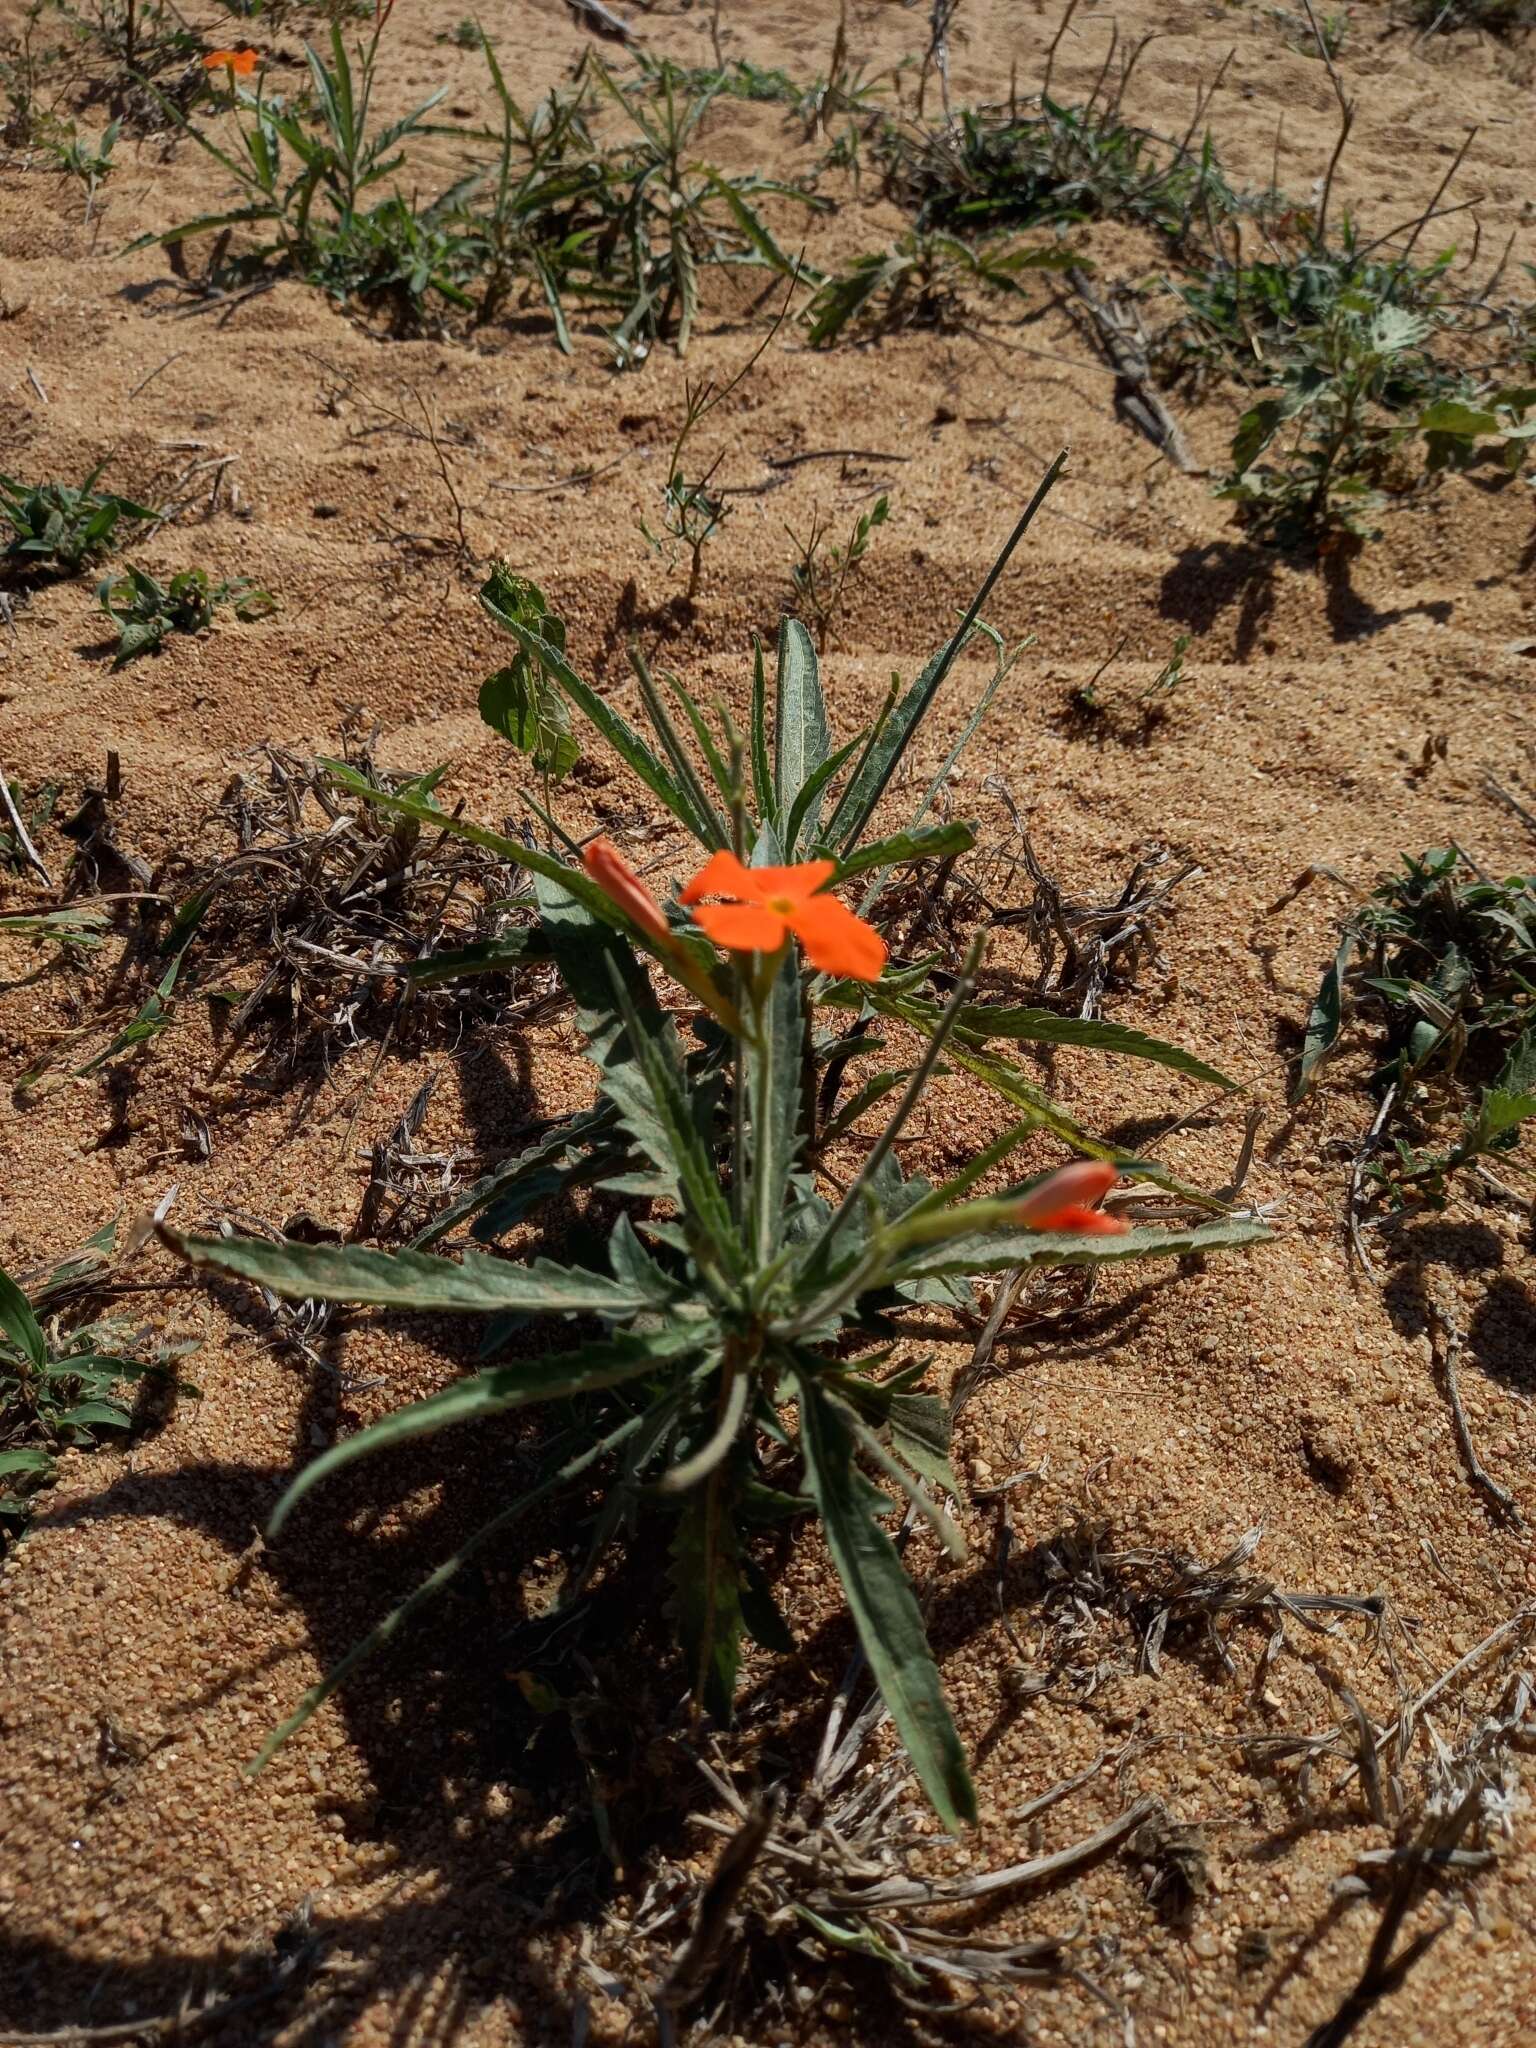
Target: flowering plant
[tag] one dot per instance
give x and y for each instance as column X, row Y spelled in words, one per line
column 733, row 1363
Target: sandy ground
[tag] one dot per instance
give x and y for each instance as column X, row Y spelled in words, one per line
column 412, row 1831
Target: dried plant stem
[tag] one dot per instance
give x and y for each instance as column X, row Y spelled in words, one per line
column 29, row 852
column 1450, row 1360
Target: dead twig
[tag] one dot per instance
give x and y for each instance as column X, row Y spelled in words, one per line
column 1450, row 1359
column 24, row 846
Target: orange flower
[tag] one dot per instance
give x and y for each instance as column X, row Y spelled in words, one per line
column 1067, row 1199
column 618, row 880
column 240, row 62
column 767, row 904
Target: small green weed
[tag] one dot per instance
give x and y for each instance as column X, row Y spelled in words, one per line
column 139, row 38
column 35, row 77
column 920, row 281
column 693, row 512
column 1444, row 958
column 999, row 167
column 60, row 1377
column 1497, row 17
column 666, row 215
column 144, row 610
column 820, row 572
column 623, row 229
column 1313, row 461
column 57, row 528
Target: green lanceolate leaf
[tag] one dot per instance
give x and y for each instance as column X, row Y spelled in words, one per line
column 551, row 1378
column 920, row 1434
column 19, row 1323
column 415, row 1280
column 811, row 792
column 676, row 1114
column 997, row 1251
column 620, row 735
column 402, row 804
column 577, row 1131
column 801, row 738
column 929, row 842
column 592, row 962
column 883, row 1604
column 706, row 1598
column 762, row 773
column 980, row 1022
column 1324, row 1019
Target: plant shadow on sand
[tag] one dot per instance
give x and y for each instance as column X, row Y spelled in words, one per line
column 493, row 1812
column 1206, row 581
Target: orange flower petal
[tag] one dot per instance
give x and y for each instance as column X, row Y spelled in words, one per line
column 243, row 62
column 835, row 940
column 1079, row 1185
column 741, row 927
column 721, row 875
column 797, row 884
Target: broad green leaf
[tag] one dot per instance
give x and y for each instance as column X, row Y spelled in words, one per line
column 1498, row 1113
column 1451, row 416
column 25, row 1461
column 802, row 740
column 94, row 1415
column 529, row 711
column 590, row 958
column 553, row 1377
column 997, row 1251
column 19, row 1323
column 1255, row 430
column 884, row 1607
column 1324, row 1019
column 413, row 1280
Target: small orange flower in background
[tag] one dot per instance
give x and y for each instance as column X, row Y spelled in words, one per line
column 767, row 904
column 241, row 62
column 619, row 881
column 1067, row 1199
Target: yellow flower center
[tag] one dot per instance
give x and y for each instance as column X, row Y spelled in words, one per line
column 781, row 905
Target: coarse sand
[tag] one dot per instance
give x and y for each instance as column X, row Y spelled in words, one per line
column 414, row 1832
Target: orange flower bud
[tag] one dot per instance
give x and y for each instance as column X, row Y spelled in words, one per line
column 619, row 882
column 1066, row 1199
